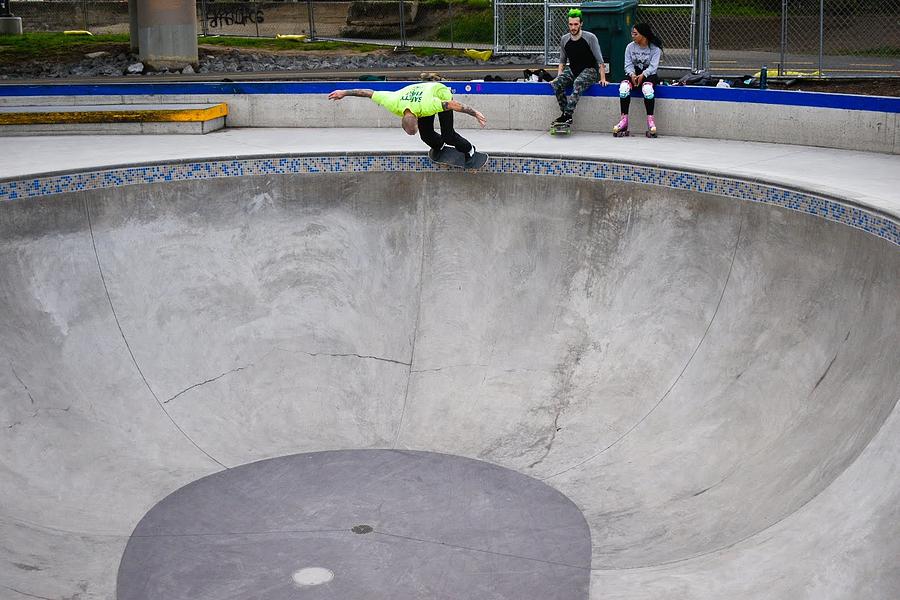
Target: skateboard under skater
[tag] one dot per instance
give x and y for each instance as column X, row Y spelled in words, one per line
column 454, row 158
column 563, row 128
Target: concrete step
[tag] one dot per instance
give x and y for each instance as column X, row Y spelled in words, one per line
column 113, row 119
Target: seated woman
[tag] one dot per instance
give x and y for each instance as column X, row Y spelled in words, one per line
column 641, row 63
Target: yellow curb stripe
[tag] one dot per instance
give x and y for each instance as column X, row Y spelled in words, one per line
column 116, row 116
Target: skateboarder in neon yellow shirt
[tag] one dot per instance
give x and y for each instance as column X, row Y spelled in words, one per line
column 416, row 105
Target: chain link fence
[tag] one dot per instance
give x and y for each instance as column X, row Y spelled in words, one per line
column 435, row 23
column 834, row 38
column 536, row 26
column 831, row 38
column 62, row 15
column 828, row 38
column 521, row 27
column 440, row 23
column 674, row 22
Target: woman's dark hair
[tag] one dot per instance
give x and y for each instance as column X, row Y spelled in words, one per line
column 645, row 30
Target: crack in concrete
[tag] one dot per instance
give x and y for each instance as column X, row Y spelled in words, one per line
column 480, row 366
column 39, row 411
column 313, row 354
column 22, row 383
column 562, row 397
column 196, row 385
column 437, row 369
column 684, row 369
column 115, row 315
column 26, row 594
column 415, row 331
column 822, row 378
column 363, row 356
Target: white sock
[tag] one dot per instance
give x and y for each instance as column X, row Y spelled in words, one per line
column 471, row 152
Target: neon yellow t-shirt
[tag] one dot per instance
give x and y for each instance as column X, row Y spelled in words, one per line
column 422, row 99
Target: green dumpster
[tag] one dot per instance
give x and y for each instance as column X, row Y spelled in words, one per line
column 611, row 21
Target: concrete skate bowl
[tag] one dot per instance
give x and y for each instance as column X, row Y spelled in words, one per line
column 363, row 377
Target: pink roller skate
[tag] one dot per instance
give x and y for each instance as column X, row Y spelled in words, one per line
column 621, row 128
column 651, row 126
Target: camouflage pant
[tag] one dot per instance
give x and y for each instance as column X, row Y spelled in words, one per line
column 585, row 79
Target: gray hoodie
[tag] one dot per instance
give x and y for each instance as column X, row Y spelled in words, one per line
column 641, row 60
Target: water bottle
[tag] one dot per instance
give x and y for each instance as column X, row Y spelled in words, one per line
column 764, row 77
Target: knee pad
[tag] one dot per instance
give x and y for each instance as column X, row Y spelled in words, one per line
column 625, row 89
column 647, row 90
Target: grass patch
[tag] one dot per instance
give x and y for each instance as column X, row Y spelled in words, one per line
column 67, row 48
column 476, row 27
column 54, row 46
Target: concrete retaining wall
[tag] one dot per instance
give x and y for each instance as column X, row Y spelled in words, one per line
column 813, row 119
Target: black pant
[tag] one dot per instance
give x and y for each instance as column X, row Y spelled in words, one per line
column 447, row 135
column 625, row 102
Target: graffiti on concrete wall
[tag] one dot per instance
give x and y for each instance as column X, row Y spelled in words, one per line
column 232, row 13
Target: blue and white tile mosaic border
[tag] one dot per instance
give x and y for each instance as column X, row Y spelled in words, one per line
column 832, row 210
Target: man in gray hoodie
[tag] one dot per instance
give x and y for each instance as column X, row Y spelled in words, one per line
column 580, row 65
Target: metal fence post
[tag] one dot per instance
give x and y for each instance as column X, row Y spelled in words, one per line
column 701, row 39
column 821, row 38
column 311, row 12
column 204, row 23
column 784, row 23
column 450, row 6
column 547, row 26
column 496, row 26
column 692, row 43
column 84, row 14
column 402, row 25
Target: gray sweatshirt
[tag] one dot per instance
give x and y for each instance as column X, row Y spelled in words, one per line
column 641, row 60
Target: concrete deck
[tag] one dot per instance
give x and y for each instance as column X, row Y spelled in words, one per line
column 710, row 384
column 871, row 179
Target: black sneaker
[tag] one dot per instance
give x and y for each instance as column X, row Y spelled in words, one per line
column 562, row 118
column 433, row 154
column 567, row 119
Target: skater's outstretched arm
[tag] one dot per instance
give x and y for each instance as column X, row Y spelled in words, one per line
column 338, row 94
column 458, row 107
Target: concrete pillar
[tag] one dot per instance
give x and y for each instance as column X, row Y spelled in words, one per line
column 9, row 25
column 167, row 33
column 133, row 24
